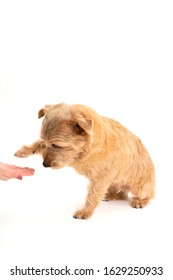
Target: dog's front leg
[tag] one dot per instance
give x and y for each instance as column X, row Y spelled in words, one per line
column 96, row 192
column 35, row 148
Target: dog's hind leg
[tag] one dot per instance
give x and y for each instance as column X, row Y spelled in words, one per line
column 142, row 195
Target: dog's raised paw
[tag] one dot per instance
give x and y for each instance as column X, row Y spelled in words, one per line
column 23, row 152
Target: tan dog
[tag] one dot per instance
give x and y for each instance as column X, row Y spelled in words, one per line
column 110, row 156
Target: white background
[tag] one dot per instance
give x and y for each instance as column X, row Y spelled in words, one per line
column 117, row 57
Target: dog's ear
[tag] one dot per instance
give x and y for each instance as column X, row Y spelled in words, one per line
column 82, row 126
column 43, row 111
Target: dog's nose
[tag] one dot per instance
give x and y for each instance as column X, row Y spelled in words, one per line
column 46, row 164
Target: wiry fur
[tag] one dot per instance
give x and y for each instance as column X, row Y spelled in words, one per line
column 109, row 155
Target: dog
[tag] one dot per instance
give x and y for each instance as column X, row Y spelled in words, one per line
column 113, row 159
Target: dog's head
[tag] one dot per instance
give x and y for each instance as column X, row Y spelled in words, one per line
column 66, row 133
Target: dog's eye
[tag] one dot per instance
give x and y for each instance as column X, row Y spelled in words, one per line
column 55, row 146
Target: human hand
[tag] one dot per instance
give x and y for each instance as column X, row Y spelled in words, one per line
column 8, row 171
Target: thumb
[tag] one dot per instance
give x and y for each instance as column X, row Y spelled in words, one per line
column 19, row 177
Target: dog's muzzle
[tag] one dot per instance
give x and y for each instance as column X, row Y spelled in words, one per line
column 46, row 164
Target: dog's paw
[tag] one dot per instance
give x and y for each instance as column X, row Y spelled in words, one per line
column 23, row 152
column 80, row 214
column 138, row 203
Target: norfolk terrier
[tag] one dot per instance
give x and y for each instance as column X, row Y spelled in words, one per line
column 108, row 154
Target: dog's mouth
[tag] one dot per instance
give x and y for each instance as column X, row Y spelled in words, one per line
column 53, row 165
